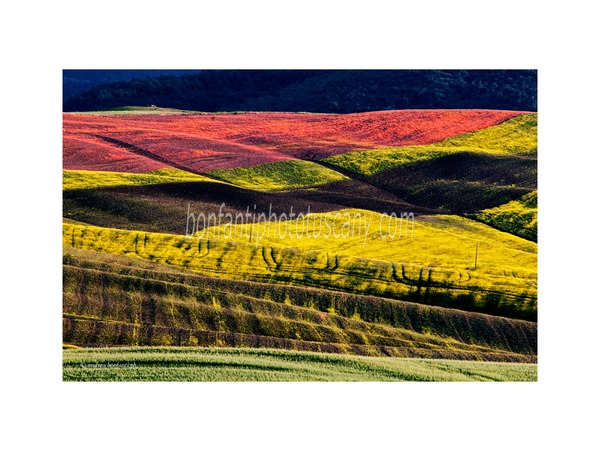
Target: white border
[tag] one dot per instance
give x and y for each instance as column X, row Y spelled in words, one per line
column 43, row 38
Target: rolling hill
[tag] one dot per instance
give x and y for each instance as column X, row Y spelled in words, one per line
column 516, row 136
column 431, row 265
column 392, row 233
column 204, row 142
column 518, row 217
column 118, row 300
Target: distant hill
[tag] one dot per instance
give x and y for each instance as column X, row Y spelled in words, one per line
column 327, row 91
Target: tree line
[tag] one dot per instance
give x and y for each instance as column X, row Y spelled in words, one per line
column 327, row 91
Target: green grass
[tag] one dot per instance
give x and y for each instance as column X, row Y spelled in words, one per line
column 211, row 364
column 370, row 162
column 518, row 217
column 282, row 175
column 88, row 179
column 515, row 136
column 137, row 110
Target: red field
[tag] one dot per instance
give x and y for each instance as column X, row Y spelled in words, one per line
column 205, row 142
column 85, row 152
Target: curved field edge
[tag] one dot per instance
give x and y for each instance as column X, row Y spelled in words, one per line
column 283, row 175
column 170, row 364
column 516, row 136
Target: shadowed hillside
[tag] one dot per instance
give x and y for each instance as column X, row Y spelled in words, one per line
column 163, row 207
column 462, row 182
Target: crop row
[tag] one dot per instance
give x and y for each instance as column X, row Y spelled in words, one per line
column 110, row 289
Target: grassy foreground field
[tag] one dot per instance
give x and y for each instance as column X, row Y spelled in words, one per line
column 210, row 364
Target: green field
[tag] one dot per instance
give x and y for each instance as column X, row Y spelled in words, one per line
column 209, row 364
column 515, row 136
column 90, row 179
column 282, row 175
column 137, row 110
column 518, row 217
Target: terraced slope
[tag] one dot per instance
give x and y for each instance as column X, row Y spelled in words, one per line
column 112, row 300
